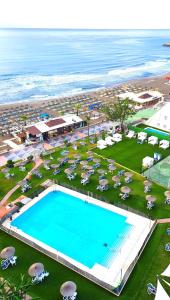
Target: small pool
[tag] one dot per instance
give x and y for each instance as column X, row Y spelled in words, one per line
column 153, row 130
column 83, row 231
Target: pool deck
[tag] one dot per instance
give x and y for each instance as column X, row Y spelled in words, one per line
column 111, row 276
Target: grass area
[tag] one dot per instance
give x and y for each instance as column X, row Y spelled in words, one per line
column 136, row 201
column 7, row 184
column 130, row 154
column 152, row 262
column 141, row 127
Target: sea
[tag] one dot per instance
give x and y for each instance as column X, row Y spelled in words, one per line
column 40, row 64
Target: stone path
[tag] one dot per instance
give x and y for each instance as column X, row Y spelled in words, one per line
column 161, row 221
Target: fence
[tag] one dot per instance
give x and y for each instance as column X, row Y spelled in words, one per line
column 102, row 198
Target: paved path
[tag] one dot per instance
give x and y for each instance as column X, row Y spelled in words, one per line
column 161, row 221
column 38, row 162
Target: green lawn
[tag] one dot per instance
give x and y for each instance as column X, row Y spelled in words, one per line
column 152, row 262
column 136, row 201
column 130, row 154
column 7, row 184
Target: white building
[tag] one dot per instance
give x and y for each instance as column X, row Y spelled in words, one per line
column 161, row 119
column 43, row 130
column 143, row 99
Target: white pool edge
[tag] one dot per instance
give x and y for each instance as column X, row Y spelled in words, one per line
column 112, row 276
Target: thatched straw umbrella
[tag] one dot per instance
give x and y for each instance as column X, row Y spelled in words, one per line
column 89, row 167
column 167, row 194
column 36, row 269
column 77, row 156
column 68, row 289
column 84, row 175
column 83, row 162
column 111, row 161
column 147, row 183
column 97, row 160
column 101, row 171
column 128, row 174
column 71, row 161
column 55, row 166
column 150, row 198
column 103, row 182
column 111, row 168
column 116, row 178
column 68, row 171
column 61, row 159
column 7, row 252
column 125, row 190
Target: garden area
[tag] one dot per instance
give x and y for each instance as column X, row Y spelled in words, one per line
column 153, row 261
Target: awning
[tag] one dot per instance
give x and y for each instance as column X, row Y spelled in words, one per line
column 161, row 294
column 166, row 272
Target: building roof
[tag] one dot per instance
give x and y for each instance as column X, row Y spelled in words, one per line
column 53, row 124
column 33, row 130
column 161, row 119
column 142, row 97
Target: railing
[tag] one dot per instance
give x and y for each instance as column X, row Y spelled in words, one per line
column 102, row 198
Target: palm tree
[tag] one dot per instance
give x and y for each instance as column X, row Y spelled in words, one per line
column 77, row 107
column 24, row 118
column 10, row 291
column 87, row 120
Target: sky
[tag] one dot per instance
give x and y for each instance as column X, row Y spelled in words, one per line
column 98, row 14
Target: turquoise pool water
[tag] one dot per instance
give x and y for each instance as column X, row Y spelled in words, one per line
column 153, row 130
column 85, row 232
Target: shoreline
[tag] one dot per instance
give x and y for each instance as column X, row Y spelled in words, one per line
column 96, row 92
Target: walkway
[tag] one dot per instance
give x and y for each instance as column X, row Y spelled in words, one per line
column 162, row 221
column 38, row 162
column 36, row 149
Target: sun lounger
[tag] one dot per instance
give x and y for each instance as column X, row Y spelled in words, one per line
column 124, row 196
column 117, row 184
column 85, row 181
column 167, row 247
column 39, row 278
column 58, row 171
column 147, row 189
column 131, row 134
column 150, row 205
column 128, row 179
column 13, row 260
column 5, row 264
column 151, row 289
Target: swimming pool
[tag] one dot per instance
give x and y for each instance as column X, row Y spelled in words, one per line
column 83, row 231
column 98, row 240
column 153, row 130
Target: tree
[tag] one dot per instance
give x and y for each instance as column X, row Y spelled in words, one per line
column 77, row 107
column 10, row 291
column 24, row 118
column 119, row 111
column 87, row 120
column 10, row 163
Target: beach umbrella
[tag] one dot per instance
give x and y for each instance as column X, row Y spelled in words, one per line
column 89, row 167
column 84, row 175
column 167, row 78
column 147, row 183
column 103, row 182
column 128, row 174
column 60, row 159
column 68, row 289
column 150, row 198
column 111, row 161
column 68, row 171
column 116, row 178
column 77, row 156
column 83, row 162
column 71, row 161
column 55, row 166
column 7, row 252
column 90, row 153
column 125, row 189
column 111, row 168
column 47, row 161
column 36, row 269
column 167, row 194
column 97, row 160
column 101, row 171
